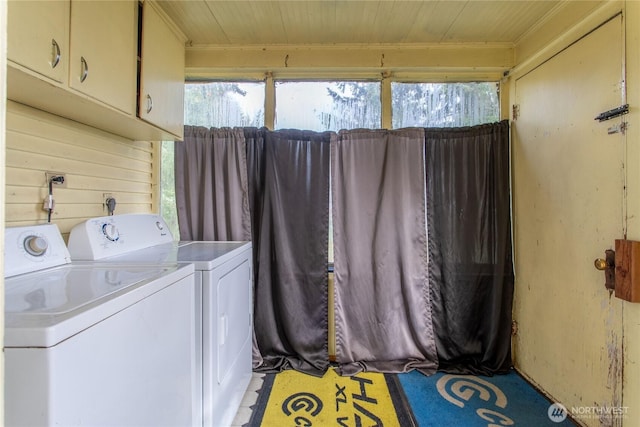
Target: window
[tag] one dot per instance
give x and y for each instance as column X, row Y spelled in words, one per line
column 224, row 104
column 210, row 104
column 327, row 105
column 444, row 104
column 168, row 189
column 322, row 106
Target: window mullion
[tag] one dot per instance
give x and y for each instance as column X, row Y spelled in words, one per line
column 385, row 101
column 269, row 102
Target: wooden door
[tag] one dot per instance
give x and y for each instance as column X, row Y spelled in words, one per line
column 568, row 187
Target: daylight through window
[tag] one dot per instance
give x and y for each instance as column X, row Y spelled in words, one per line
column 444, row 104
column 323, row 106
column 327, row 106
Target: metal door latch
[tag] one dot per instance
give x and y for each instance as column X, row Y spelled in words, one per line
column 610, row 114
column 608, row 265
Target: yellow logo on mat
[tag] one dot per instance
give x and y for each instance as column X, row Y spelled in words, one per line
column 298, row 399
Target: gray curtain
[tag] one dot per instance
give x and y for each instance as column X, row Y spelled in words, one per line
column 211, row 184
column 470, row 268
column 402, row 301
column 256, row 161
column 289, row 198
column 382, row 297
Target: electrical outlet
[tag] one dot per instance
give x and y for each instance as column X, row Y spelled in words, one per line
column 49, row 175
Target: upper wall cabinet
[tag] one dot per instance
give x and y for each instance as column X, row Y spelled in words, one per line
column 162, row 73
column 103, row 51
column 42, row 46
column 78, row 59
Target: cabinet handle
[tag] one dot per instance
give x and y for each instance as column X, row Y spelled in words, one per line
column 55, row 53
column 149, row 103
column 85, row 69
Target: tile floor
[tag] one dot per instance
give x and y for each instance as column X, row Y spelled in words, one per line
column 250, row 397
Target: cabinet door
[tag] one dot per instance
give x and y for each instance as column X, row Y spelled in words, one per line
column 162, row 74
column 103, row 51
column 38, row 37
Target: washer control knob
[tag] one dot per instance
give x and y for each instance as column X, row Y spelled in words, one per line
column 159, row 225
column 111, row 232
column 36, row 245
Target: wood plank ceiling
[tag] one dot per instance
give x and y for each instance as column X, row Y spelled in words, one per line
column 406, row 39
column 328, row 22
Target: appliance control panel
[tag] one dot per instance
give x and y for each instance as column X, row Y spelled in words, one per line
column 33, row 248
column 108, row 236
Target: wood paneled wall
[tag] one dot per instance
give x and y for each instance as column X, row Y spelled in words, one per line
column 95, row 163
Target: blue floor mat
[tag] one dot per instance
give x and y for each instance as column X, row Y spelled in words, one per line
column 470, row 401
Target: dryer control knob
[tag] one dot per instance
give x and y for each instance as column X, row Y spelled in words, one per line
column 35, row 245
column 111, row 232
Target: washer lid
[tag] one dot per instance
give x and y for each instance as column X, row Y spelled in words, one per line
column 49, row 306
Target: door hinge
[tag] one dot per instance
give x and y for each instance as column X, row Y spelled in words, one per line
column 515, row 111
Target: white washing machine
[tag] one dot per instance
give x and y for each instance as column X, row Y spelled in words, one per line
column 224, row 302
column 95, row 344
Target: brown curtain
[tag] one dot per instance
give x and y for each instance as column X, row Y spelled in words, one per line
column 470, row 268
column 211, row 184
column 382, row 297
column 289, row 176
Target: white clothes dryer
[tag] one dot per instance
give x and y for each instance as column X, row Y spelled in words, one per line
column 224, row 298
column 95, row 344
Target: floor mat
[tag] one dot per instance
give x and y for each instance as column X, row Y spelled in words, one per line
column 292, row 398
column 470, row 401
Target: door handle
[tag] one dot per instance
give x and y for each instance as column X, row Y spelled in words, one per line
column 223, row 329
column 84, row 69
column 608, row 265
column 55, row 53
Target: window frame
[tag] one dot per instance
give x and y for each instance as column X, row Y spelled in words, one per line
column 385, row 80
